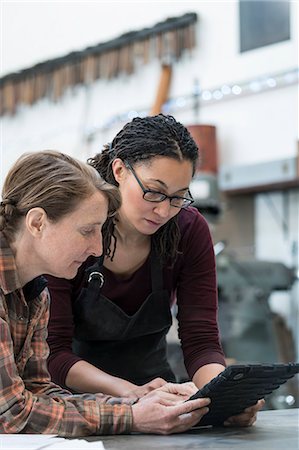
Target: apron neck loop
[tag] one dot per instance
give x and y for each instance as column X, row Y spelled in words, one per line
column 94, row 273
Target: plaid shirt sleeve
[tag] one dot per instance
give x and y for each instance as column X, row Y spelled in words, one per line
column 30, row 403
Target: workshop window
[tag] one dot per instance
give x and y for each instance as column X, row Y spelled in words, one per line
column 263, row 23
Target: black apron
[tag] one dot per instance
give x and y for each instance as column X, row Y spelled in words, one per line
column 129, row 347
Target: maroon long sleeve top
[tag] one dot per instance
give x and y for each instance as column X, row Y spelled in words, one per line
column 191, row 282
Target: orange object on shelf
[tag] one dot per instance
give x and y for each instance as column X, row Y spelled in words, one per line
column 205, row 138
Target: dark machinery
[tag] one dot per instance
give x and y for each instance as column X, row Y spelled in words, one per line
column 250, row 331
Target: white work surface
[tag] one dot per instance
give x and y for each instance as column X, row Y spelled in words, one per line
column 45, row 442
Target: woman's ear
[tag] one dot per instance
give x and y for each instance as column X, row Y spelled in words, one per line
column 35, row 221
column 119, row 169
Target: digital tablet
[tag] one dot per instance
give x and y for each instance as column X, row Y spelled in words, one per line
column 241, row 386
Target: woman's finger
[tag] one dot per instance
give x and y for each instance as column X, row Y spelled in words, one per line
column 241, row 420
column 185, row 389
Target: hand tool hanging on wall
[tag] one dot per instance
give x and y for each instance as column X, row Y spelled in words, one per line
column 122, row 55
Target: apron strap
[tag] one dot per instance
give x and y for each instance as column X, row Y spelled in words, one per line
column 95, row 278
column 156, row 272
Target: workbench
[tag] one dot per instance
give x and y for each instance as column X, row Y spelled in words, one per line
column 274, row 430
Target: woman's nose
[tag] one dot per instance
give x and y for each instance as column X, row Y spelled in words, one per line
column 163, row 208
column 96, row 246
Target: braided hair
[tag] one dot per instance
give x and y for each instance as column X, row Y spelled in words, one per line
column 139, row 141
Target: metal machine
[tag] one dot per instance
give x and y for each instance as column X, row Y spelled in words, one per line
column 250, row 331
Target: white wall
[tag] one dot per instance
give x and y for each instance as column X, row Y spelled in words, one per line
column 250, row 129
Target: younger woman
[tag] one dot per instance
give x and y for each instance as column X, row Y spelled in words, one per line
column 157, row 250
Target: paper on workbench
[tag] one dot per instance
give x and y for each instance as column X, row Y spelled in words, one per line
column 45, row 442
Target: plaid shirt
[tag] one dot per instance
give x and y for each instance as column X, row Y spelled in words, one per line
column 29, row 401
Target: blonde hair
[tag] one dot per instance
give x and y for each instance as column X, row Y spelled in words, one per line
column 53, row 181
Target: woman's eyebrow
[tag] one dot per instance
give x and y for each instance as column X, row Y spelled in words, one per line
column 165, row 185
column 92, row 224
column 159, row 181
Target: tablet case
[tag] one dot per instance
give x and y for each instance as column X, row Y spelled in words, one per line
column 241, row 386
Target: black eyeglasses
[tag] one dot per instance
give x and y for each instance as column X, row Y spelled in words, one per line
column 157, row 197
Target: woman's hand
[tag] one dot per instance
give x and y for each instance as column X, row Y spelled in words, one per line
column 141, row 391
column 175, row 392
column 178, row 392
column 247, row 417
column 165, row 411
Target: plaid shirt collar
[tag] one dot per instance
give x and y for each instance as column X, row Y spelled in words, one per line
column 9, row 280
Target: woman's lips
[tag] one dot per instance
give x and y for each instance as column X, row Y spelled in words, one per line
column 153, row 223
